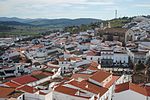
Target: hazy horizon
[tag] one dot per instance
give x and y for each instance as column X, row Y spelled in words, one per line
column 67, row 18
column 73, row 9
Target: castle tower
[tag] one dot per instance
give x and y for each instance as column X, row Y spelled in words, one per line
column 102, row 26
column 109, row 25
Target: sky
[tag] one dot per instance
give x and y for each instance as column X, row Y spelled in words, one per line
column 53, row 9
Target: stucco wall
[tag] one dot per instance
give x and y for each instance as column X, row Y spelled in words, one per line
column 129, row 95
column 60, row 96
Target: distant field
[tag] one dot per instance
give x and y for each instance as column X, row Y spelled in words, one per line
column 27, row 30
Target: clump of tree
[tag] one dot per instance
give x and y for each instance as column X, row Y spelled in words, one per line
column 6, row 28
column 139, row 67
column 72, row 29
column 115, row 23
column 81, row 28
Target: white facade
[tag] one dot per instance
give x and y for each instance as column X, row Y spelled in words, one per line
column 107, row 54
column 37, row 96
column 83, row 47
column 94, row 58
column 61, row 96
column 129, row 95
column 64, row 65
column 137, row 56
column 121, row 58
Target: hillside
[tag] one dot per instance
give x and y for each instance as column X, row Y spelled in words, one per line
column 115, row 23
column 13, row 23
column 50, row 22
column 18, row 26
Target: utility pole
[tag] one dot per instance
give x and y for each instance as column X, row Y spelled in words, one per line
column 116, row 14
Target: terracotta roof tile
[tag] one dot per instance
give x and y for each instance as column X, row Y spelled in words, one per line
column 5, row 91
column 100, row 76
column 133, row 87
column 85, row 85
column 122, row 87
column 93, row 66
column 91, row 53
column 42, row 93
column 66, row 90
column 148, row 90
column 24, row 79
column 12, row 84
column 113, row 80
column 28, row 89
column 82, row 76
column 69, row 91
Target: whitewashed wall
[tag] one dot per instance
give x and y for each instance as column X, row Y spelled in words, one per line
column 129, row 95
column 120, row 57
column 60, row 96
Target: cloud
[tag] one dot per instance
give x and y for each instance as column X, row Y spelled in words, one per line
column 143, row 5
column 13, row 4
column 8, row 7
column 70, row 8
column 55, row 2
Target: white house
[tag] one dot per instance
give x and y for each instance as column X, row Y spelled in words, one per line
column 107, row 57
column 120, row 58
column 99, row 86
column 131, row 91
column 93, row 56
column 137, row 56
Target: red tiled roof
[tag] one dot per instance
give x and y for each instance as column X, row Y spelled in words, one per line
column 12, row 84
column 113, row 80
column 66, row 90
column 133, row 87
column 28, row 89
column 122, row 87
column 91, row 53
column 100, row 76
column 148, row 90
column 93, row 66
column 83, row 76
column 24, row 79
column 5, row 91
column 42, row 93
column 85, row 85
column 69, row 91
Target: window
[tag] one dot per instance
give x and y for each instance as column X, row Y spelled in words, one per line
column 84, row 58
column 142, row 61
column 23, row 97
column 124, row 61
